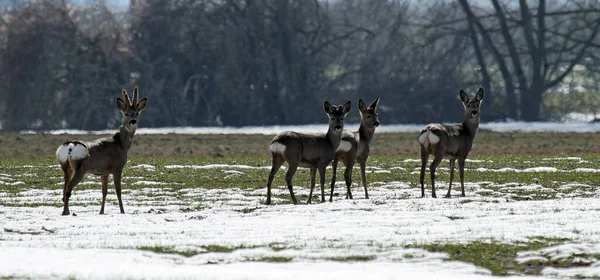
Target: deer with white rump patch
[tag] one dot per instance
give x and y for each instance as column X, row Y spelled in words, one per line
column 103, row 156
column 450, row 141
column 355, row 147
column 306, row 150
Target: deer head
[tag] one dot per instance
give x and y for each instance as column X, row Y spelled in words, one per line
column 131, row 109
column 472, row 105
column 336, row 115
column 368, row 114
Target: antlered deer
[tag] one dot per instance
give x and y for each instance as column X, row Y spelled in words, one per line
column 450, row 141
column 306, row 150
column 103, row 156
column 355, row 147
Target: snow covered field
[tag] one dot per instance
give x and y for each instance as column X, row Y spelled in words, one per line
column 176, row 232
column 492, row 126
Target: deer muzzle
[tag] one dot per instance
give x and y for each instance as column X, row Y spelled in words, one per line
column 474, row 113
column 376, row 123
column 132, row 122
column 338, row 127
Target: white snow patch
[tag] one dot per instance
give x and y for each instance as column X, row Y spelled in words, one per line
column 148, row 167
column 208, row 166
column 11, row 183
column 579, row 127
column 151, row 183
column 583, row 169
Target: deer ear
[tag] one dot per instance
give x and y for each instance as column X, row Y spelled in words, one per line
column 479, row 95
column 121, row 104
column 328, row 108
column 463, row 96
column 142, row 104
column 347, row 107
column 374, row 103
column 361, row 105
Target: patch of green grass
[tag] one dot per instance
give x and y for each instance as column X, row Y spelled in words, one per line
column 271, row 259
column 169, row 250
column 508, row 185
column 224, row 249
column 190, row 253
column 21, row 232
column 353, row 258
column 498, row 257
column 455, row 217
column 408, row 256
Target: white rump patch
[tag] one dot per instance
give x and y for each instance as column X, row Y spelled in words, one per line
column 428, row 138
column 344, row 146
column 277, row 148
column 71, row 151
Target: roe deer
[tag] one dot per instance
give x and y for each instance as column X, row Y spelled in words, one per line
column 306, row 150
column 450, row 141
column 355, row 147
column 103, row 156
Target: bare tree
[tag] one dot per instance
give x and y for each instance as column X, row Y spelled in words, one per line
column 538, row 47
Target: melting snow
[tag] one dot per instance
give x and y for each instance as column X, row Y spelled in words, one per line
column 315, row 128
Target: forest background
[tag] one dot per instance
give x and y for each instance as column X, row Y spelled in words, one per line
column 273, row 62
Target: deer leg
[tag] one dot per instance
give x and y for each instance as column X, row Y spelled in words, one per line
column 461, row 172
column 452, row 161
column 333, row 169
column 434, row 164
column 117, row 180
column 313, row 175
column 104, row 180
column 424, row 157
column 322, row 170
column 67, row 172
column 288, row 180
column 348, row 178
column 276, row 163
column 363, row 177
column 77, row 177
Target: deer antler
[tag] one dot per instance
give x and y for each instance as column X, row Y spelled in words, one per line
column 126, row 96
column 135, row 96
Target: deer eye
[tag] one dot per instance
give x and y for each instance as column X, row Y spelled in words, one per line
column 342, row 119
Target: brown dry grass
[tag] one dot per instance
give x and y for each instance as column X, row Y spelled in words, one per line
column 218, row 145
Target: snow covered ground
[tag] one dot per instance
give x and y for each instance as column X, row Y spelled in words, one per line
column 492, row 126
column 318, row 241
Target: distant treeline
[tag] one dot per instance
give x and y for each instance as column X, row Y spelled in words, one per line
column 268, row 62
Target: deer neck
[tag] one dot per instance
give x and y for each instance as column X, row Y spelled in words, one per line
column 334, row 137
column 124, row 137
column 471, row 125
column 366, row 133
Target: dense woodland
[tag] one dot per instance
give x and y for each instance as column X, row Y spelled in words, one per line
column 274, row 62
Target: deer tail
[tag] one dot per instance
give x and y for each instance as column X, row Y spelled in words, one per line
column 72, row 150
column 428, row 138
